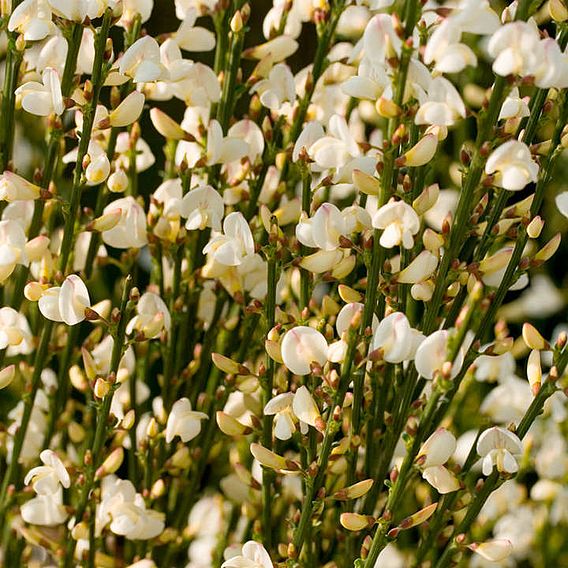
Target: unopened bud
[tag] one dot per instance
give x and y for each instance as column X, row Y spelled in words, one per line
column 356, row 522
column 231, row 426
column 534, row 228
column 101, row 388
column 112, row 463
column 533, row 338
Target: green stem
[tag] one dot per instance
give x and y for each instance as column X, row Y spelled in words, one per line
column 98, row 78
column 103, row 413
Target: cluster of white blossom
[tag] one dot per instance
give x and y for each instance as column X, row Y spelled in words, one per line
column 266, row 294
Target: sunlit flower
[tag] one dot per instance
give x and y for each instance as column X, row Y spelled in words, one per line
column 302, row 346
column 43, row 98
column 498, row 448
column 183, row 421
column 399, row 223
column 512, row 165
column 66, row 303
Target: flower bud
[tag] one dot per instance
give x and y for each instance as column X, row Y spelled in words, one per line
column 366, row 183
column 496, row 262
column 77, row 378
column 421, row 268
column 344, row 267
column 117, row 181
column 268, row 458
column 421, row 153
column 80, row 531
column 107, row 221
column 387, row 108
column 354, row 491
column 557, row 10
column 158, row 489
column 181, row 459
column 237, row 22
column 7, row 375
column 33, row 291
column 548, row 250
column 36, row 248
column 166, row 126
column 225, row 364
column 273, row 350
column 432, row 241
column 128, row 111
column 427, row 199
column 231, row 426
column 112, row 463
column 356, row 522
column 534, row 371
column 534, row 228
column 419, row 517
column 349, row 295
column 101, row 388
column 533, row 338
column 97, row 170
column 76, row 432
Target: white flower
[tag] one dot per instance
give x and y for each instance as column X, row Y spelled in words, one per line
column 253, row 555
column 442, row 105
column 337, row 148
column 498, row 446
column 433, row 454
column 142, row 62
column 512, row 165
column 194, row 38
column 513, row 106
column 305, row 408
column 432, row 354
column 223, row 149
column 152, row 316
column 516, row 48
column 43, row 98
column 130, row 232
column 135, row 522
column 562, row 203
column 445, row 50
column 399, row 223
column 553, row 70
column 277, row 49
column 277, row 89
column 380, row 40
column 66, row 303
column 135, row 8
column 311, row 132
column 289, row 408
column 12, row 247
column 284, row 420
column 77, row 10
column 183, row 421
column 397, row 340
column 15, row 333
column 32, row 18
column 203, row 207
column 15, row 188
column 235, row 244
column 324, row 229
column 302, row 346
column 45, row 510
column 45, row 479
column 346, row 315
